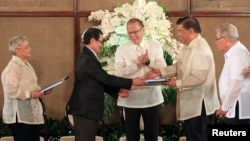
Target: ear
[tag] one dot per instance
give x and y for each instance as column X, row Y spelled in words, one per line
column 226, row 38
column 92, row 40
column 143, row 29
column 17, row 51
column 190, row 30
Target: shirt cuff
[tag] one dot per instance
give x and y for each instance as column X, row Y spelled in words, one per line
column 178, row 83
column 28, row 94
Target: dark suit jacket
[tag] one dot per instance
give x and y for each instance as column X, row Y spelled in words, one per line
column 91, row 82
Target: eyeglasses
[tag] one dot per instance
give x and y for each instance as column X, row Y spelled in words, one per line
column 100, row 41
column 134, row 32
column 217, row 39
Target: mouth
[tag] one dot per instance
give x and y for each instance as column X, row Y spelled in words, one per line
column 134, row 39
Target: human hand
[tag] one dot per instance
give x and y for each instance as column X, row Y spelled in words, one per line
column 246, row 71
column 48, row 91
column 139, row 82
column 152, row 74
column 123, row 93
column 35, row 94
column 156, row 71
column 143, row 60
column 170, row 83
column 140, row 65
column 220, row 113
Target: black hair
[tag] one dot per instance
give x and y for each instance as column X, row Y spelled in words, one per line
column 189, row 22
column 91, row 33
column 133, row 20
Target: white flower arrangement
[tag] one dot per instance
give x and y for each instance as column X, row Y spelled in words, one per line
column 113, row 26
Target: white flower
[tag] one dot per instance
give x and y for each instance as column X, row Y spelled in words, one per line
column 113, row 24
column 124, row 11
column 152, row 9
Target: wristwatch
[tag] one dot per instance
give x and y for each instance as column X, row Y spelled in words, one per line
column 147, row 63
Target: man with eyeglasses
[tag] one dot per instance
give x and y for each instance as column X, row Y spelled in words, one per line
column 234, row 81
column 134, row 59
column 86, row 103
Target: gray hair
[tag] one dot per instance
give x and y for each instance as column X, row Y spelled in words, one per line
column 16, row 42
column 228, row 30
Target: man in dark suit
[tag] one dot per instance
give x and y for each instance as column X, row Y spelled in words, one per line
column 87, row 100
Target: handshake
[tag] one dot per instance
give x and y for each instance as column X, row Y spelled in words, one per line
column 141, row 81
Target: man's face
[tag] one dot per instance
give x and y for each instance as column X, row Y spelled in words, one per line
column 24, row 51
column 220, row 42
column 183, row 34
column 135, row 32
column 98, row 44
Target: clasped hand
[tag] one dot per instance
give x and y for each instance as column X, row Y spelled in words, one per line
column 123, row 93
column 154, row 73
column 246, row 71
column 220, row 113
column 142, row 60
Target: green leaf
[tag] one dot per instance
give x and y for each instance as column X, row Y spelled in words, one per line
column 168, row 58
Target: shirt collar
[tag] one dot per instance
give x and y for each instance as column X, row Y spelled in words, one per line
column 142, row 43
column 18, row 60
column 93, row 52
column 193, row 41
column 231, row 50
